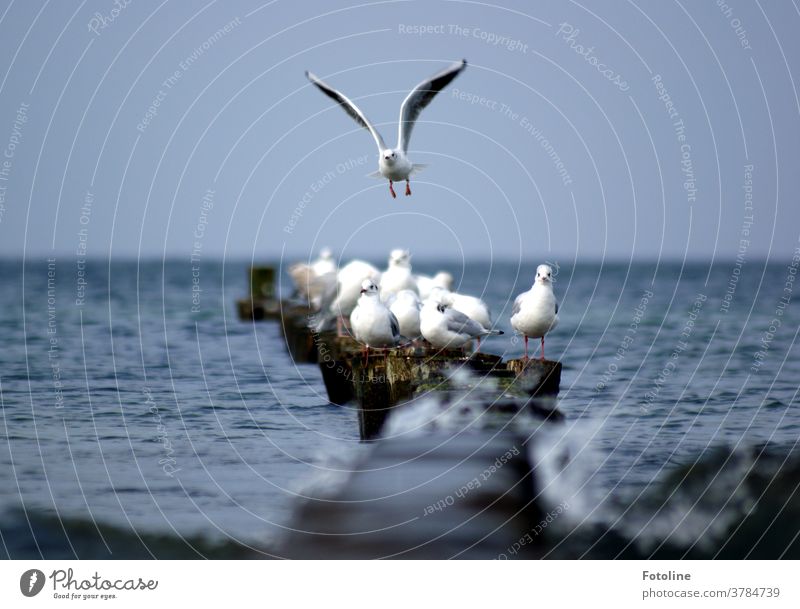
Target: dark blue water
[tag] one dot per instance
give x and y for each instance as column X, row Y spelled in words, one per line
column 138, row 404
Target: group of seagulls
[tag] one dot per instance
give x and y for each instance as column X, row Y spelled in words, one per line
column 395, row 307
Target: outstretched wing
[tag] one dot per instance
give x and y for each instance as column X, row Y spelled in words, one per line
column 348, row 107
column 461, row 324
column 420, row 97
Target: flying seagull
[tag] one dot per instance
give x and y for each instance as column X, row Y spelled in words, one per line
column 393, row 164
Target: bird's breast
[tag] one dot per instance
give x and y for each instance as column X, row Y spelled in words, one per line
column 397, row 171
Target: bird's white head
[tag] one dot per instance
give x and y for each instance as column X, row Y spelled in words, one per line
column 369, row 288
column 389, row 156
column 444, row 280
column 440, row 300
column 440, row 295
column 407, row 297
column 544, row 274
column 400, row 257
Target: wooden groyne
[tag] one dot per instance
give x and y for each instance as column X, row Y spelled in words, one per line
column 261, row 303
column 385, row 379
column 468, row 491
column 300, row 341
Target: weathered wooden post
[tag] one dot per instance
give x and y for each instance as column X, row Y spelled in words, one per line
column 384, row 380
column 334, row 363
column 261, row 304
column 262, row 282
column 380, row 383
column 536, row 377
column 298, row 336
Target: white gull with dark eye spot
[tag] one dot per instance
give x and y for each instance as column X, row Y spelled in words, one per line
column 471, row 306
column 444, row 327
column 373, row 324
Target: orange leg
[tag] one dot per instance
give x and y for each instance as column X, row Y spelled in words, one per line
column 408, row 188
column 526, row 347
column 391, row 190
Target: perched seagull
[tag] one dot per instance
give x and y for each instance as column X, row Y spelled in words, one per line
column 342, row 299
column 373, row 324
column 398, row 275
column 438, row 295
column 425, row 284
column 444, row 327
column 535, row 312
column 325, row 263
column 314, row 281
column 311, row 286
column 406, row 305
column 471, row 306
column 393, row 164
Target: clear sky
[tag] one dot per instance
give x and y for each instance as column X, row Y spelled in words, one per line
column 579, row 130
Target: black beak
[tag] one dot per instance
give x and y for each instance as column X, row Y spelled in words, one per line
column 363, row 291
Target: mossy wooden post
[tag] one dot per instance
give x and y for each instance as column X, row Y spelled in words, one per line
column 385, row 379
column 334, row 362
column 298, row 336
column 373, row 393
column 379, row 383
column 262, row 282
column 261, row 304
column 536, row 377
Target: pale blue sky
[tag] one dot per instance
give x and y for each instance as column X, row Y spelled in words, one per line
column 238, row 118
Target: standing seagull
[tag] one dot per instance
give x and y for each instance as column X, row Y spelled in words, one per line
column 325, row 263
column 535, row 312
column 374, row 325
column 398, row 275
column 393, row 164
column 406, row 306
column 339, row 301
column 425, row 284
